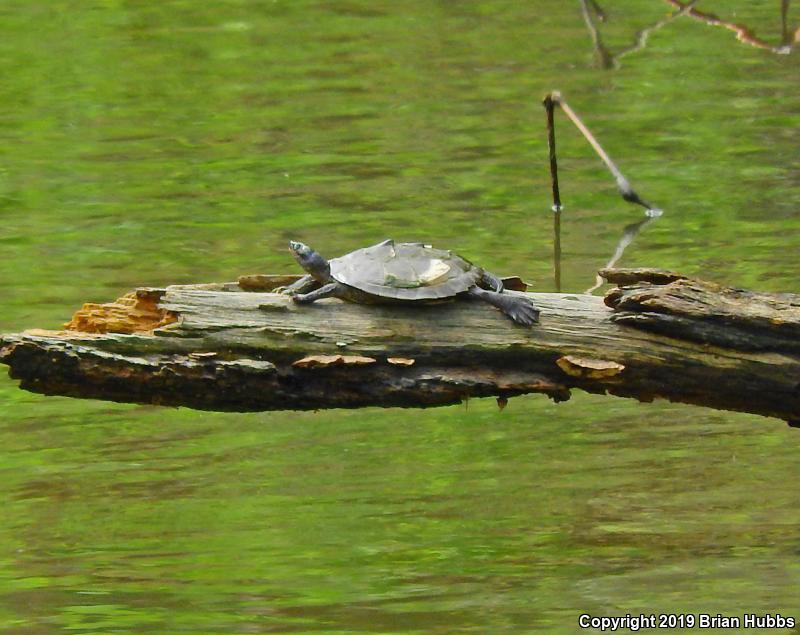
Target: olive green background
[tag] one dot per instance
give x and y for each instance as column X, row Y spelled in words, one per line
column 146, row 143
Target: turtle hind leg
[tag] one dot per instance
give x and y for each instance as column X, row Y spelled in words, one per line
column 491, row 281
column 519, row 309
column 330, row 290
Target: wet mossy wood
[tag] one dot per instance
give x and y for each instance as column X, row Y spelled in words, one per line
column 237, row 347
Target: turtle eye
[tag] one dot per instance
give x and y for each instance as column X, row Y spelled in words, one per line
column 300, row 250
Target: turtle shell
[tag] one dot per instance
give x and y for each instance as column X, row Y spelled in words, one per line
column 405, row 271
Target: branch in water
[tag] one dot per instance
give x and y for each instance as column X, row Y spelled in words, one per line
column 625, row 189
column 743, row 33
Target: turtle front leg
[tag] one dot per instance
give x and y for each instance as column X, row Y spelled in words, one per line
column 330, row 290
column 518, row 308
column 303, row 285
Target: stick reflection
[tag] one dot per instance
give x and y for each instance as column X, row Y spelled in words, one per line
column 629, row 233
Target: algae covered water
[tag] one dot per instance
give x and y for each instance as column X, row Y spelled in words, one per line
column 147, row 144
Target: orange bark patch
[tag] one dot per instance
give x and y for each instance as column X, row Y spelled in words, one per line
column 135, row 312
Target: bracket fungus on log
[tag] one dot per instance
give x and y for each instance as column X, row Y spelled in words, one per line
column 323, row 361
column 585, row 368
column 239, row 346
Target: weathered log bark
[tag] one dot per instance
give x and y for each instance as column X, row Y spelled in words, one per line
column 219, row 347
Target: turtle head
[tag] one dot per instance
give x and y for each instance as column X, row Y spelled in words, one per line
column 311, row 261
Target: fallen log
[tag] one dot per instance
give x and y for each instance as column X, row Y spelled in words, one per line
column 239, row 347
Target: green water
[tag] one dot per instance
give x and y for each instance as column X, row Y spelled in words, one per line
column 147, row 143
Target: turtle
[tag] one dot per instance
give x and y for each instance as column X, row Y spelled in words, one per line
column 401, row 273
